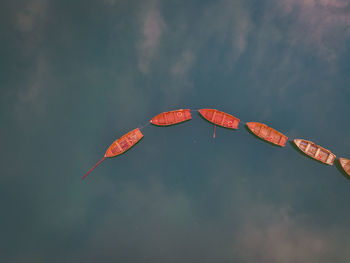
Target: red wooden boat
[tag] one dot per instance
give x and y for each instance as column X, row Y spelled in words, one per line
column 315, row 151
column 124, row 143
column 120, row 146
column 220, row 118
column 345, row 163
column 172, row 117
column 267, row 133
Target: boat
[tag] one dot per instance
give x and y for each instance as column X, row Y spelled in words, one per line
column 172, row 117
column 267, row 133
column 345, row 163
column 124, row 143
column 220, row 118
column 315, row 151
column 120, row 146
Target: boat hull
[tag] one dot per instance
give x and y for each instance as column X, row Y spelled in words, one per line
column 124, row 143
column 171, row 117
column 267, row 133
column 345, row 164
column 220, row 118
column 315, row 151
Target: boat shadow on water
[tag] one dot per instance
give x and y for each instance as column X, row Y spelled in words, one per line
column 260, row 139
column 304, row 154
column 336, row 162
column 341, row 170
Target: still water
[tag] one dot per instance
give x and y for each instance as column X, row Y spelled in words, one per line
column 77, row 76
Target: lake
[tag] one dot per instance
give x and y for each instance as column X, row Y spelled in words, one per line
column 77, row 76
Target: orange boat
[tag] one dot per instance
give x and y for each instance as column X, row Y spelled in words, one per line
column 124, row 143
column 267, row 133
column 220, row 118
column 171, row 117
column 315, row 151
column 120, row 146
column 345, row 163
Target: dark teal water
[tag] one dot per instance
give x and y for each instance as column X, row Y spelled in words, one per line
column 77, row 76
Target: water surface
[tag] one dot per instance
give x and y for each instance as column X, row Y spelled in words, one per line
column 77, row 76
